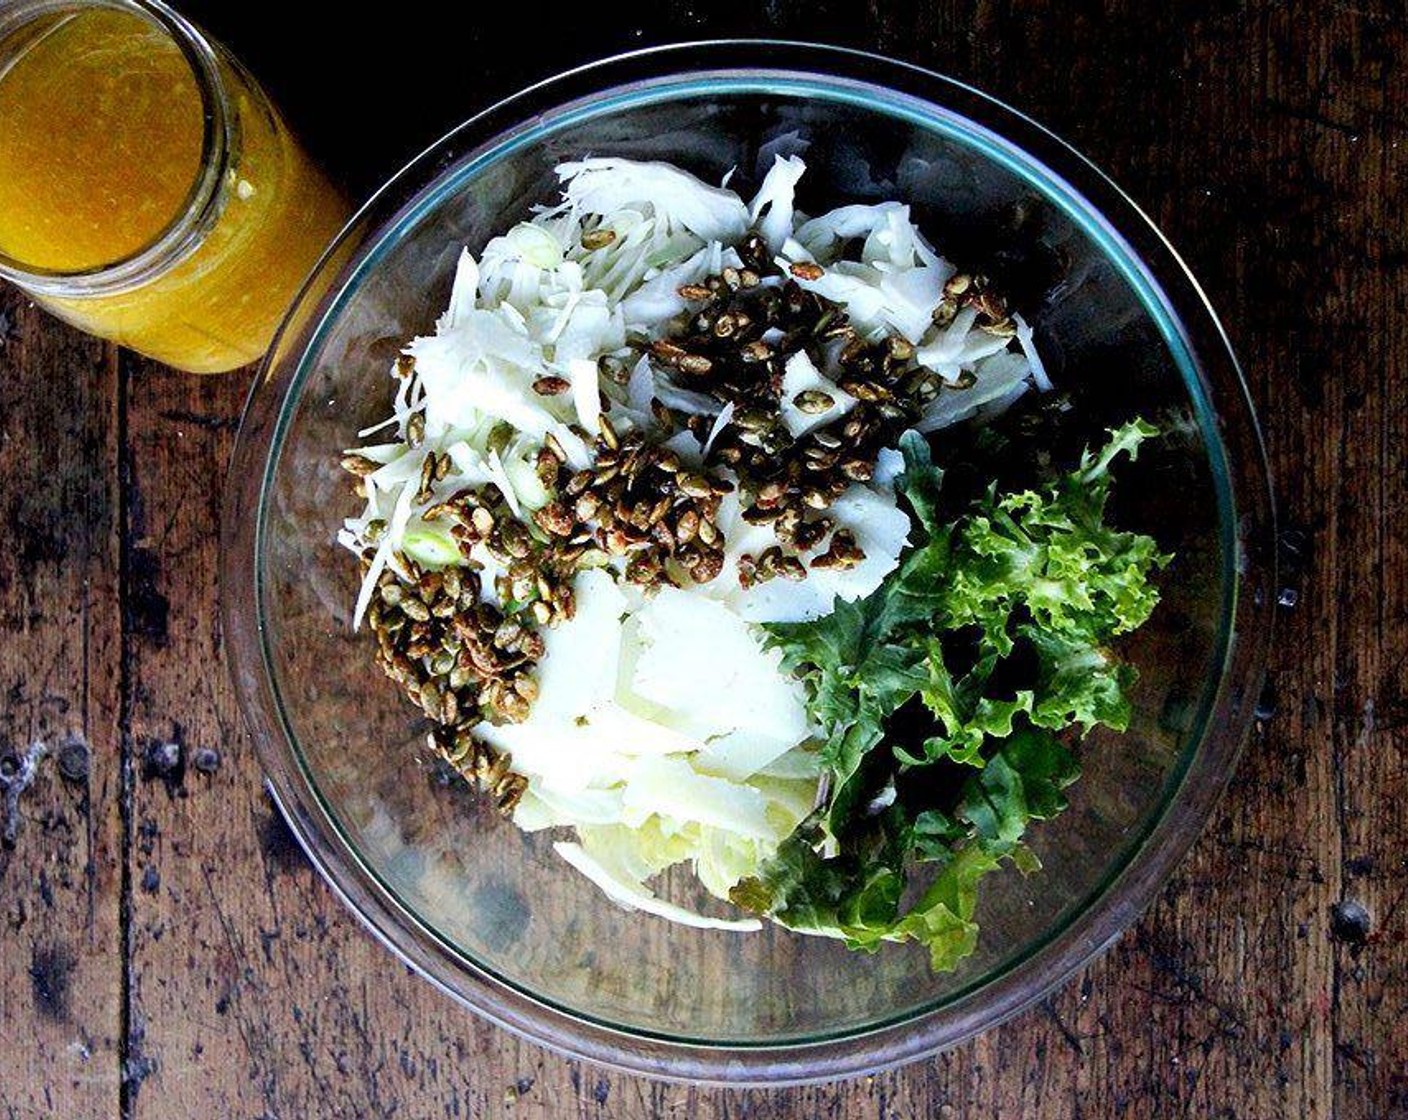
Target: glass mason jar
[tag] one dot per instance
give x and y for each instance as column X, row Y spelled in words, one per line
column 149, row 191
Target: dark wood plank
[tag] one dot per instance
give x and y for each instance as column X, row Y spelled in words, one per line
column 60, row 741
column 1358, row 126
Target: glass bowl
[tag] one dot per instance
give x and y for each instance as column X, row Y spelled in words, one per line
column 490, row 914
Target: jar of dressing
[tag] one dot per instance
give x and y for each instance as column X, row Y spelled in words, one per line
column 149, row 191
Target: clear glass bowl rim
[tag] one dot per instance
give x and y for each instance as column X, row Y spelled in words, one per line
column 1128, row 889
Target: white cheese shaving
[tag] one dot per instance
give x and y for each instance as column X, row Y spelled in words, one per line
column 689, row 652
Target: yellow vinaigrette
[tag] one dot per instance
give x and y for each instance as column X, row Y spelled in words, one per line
column 115, row 143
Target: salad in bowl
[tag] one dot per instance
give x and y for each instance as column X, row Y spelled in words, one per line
column 705, row 532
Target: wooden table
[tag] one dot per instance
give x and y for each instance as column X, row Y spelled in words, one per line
column 165, row 950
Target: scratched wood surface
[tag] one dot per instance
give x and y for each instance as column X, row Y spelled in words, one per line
column 165, row 950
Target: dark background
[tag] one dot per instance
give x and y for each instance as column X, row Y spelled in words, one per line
column 369, row 91
column 167, row 954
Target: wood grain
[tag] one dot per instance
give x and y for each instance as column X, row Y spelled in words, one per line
column 61, row 781
column 1270, row 980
